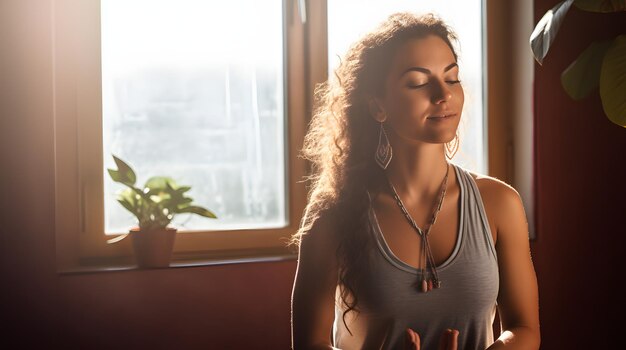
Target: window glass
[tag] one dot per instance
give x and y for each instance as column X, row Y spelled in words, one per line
column 194, row 90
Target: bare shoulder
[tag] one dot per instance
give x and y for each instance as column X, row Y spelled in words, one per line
column 322, row 233
column 318, row 245
column 502, row 202
column 492, row 186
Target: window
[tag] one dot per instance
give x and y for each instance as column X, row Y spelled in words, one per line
column 117, row 91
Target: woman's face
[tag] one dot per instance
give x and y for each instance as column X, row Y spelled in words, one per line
column 423, row 86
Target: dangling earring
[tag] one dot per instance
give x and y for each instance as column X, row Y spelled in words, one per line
column 383, row 150
column 452, row 147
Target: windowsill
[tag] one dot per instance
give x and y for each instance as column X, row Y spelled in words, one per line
column 178, row 263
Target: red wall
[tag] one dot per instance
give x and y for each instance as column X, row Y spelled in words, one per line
column 580, row 169
column 240, row 306
column 580, row 216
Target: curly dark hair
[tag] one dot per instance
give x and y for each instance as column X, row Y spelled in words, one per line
column 342, row 139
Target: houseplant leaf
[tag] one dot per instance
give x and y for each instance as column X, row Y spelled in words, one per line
column 583, row 75
column 143, row 194
column 129, row 196
column 176, row 196
column 197, row 210
column 613, row 81
column 601, row 5
column 124, row 174
column 546, row 29
column 183, row 189
column 156, row 204
column 127, row 205
column 176, row 201
column 160, row 183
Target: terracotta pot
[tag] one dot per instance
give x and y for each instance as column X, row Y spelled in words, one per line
column 153, row 248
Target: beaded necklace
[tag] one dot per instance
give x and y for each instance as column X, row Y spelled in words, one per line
column 433, row 281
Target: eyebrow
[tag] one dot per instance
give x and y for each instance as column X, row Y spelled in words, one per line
column 427, row 71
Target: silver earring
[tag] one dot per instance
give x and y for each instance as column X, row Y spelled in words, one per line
column 383, row 150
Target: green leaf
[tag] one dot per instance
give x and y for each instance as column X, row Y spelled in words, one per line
column 159, row 198
column 160, row 183
column 124, row 174
column 128, row 195
column 158, row 202
column 143, row 195
column 183, row 189
column 613, row 82
column 196, row 210
column 546, row 29
column 115, row 175
column 583, row 75
column 601, row 5
column 179, row 202
column 127, row 205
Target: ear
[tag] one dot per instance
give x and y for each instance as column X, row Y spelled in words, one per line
column 376, row 110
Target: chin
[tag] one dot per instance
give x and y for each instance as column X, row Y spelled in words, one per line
column 443, row 137
column 433, row 136
column 450, row 139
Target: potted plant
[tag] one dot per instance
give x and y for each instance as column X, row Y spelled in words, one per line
column 601, row 66
column 154, row 206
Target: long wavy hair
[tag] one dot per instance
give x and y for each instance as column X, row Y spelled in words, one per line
column 342, row 139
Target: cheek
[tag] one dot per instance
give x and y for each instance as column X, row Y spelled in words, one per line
column 460, row 93
column 408, row 106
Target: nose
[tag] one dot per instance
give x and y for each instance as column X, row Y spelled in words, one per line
column 441, row 93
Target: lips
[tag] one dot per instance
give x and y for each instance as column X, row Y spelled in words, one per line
column 441, row 116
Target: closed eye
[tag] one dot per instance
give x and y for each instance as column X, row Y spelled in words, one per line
column 451, row 82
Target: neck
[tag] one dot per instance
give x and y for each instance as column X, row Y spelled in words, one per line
column 417, row 170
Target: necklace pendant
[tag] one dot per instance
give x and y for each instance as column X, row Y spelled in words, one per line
column 433, row 282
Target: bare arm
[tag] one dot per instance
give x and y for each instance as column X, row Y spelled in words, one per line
column 313, row 295
column 518, row 303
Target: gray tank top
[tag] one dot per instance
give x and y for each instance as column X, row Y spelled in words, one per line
column 466, row 301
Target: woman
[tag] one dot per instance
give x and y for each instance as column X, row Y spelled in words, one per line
column 400, row 249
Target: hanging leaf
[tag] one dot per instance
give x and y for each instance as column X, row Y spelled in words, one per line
column 545, row 31
column 613, row 82
column 197, row 210
column 583, row 75
column 124, row 174
column 601, row 5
